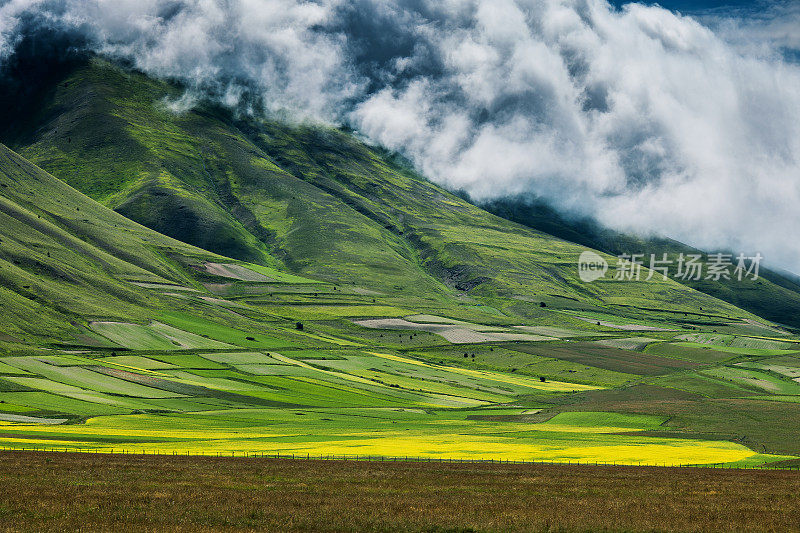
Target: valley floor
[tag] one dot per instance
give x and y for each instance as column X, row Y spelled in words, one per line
column 103, row 492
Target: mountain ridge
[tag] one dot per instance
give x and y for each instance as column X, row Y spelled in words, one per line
column 312, row 198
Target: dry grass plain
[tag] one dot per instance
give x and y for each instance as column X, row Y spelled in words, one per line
column 98, row 492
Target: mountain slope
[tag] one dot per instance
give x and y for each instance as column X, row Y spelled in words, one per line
column 314, row 199
column 775, row 296
column 63, row 256
column 66, row 261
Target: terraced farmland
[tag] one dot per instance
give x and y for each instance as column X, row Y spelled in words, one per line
column 189, row 383
column 203, row 379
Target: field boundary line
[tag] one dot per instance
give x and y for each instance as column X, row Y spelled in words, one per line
column 243, row 454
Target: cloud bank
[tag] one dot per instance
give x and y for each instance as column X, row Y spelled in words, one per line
column 642, row 118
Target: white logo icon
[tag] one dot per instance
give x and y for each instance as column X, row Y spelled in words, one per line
column 591, row 266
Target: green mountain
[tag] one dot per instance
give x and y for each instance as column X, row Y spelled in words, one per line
column 199, row 281
column 312, row 199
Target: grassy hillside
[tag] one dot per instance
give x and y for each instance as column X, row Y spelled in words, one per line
column 775, row 296
column 64, row 257
column 66, row 261
column 314, row 199
column 366, row 311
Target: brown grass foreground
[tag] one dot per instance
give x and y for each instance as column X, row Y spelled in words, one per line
column 71, row 491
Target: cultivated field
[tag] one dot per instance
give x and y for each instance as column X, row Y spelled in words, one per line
column 425, row 384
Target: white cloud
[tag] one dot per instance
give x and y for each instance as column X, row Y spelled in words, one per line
column 643, row 118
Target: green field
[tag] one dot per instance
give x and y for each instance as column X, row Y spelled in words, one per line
column 461, row 401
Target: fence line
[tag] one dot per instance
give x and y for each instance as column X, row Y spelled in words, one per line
column 381, row 458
